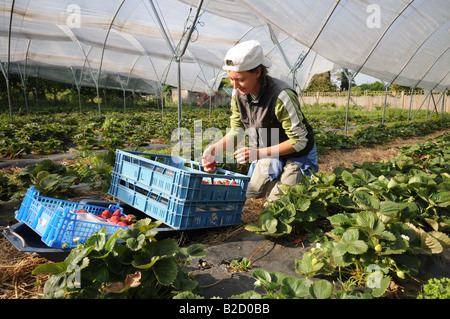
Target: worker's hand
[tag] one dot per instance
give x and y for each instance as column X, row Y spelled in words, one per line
column 246, row 155
column 208, row 161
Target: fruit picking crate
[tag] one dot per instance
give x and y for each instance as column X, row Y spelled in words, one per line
column 179, row 177
column 175, row 212
column 57, row 222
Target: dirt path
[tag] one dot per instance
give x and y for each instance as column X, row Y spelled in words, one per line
column 16, row 281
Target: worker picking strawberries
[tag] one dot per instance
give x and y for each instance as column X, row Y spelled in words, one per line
column 282, row 147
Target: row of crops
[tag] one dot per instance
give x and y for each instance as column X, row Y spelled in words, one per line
column 372, row 227
column 55, row 133
column 375, row 222
column 372, row 224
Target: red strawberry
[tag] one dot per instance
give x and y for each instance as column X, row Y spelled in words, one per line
column 114, row 219
column 130, row 218
column 117, row 212
column 81, row 211
column 106, row 214
column 122, row 223
column 234, row 183
column 209, row 163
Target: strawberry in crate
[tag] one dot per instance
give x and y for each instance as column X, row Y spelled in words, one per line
column 108, row 217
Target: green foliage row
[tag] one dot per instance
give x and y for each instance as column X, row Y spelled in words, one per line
column 130, row 264
column 376, row 218
column 54, row 134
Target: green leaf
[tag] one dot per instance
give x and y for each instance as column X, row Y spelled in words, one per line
column 293, row 288
column 321, row 289
column 440, row 199
column 144, row 261
column 253, row 228
column 328, row 179
column 366, row 219
column 287, row 216
column 52, row 269
column 165, row 247
column 349, row 180
column 268, row 223
column 305, row 265
column 357, row 247
column 303, row 204
column 261, row 274
column 136, row 243
column 282, row 229
column 166, row 271
column 366, row 201
column 350, row 243
column 195, row 251
column 421, row 180
column 443, row 238
column 381, row 284
column 366, row 176
column 346, row 202
column 284, row 188
column 391, row 208
column 270, row 280
column 340, row 219
column 97, row 240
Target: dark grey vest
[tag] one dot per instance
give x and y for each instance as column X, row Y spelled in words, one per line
column 259, row 119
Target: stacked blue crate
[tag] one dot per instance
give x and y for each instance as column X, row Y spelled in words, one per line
column 177, row 191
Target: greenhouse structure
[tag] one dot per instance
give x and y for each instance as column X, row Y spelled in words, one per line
column 141, row 45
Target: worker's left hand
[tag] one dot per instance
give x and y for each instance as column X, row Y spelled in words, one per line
column 246, row 155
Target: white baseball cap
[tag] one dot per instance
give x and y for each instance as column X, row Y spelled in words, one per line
column 245, row 56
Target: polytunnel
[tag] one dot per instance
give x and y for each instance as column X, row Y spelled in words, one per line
column 142, row 44
column 135, row 44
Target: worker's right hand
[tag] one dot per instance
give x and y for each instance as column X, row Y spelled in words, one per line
column 208, row 161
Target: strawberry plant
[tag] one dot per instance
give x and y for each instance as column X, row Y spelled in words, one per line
column 49, row 178
column 436, row 288
column 279, row 286
column 383, row 215
column 95, row 169
column 7, row 188
column 130, row 264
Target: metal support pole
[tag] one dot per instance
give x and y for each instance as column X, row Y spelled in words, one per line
column 348, row 104
column 8, row 67
column 428, row 105
column 410, row 103
column 435, row 103
column 385, row 102
column 424, row 99
column 177, row 56
column 179, row 99
column 77, row 84
column 349, row 76
column 103, row 53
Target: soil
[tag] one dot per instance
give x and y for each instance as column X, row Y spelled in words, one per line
column 16, row 281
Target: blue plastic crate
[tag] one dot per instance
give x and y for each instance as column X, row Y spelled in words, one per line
column 57, row 223
column 179, row 177
column 175, row 212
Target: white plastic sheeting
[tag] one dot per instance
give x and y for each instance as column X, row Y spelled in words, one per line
column 133, row 44
column 398, row 41
column 123, row 44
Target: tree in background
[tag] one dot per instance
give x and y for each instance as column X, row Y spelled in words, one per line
column 343, row 78
column 322, row 83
